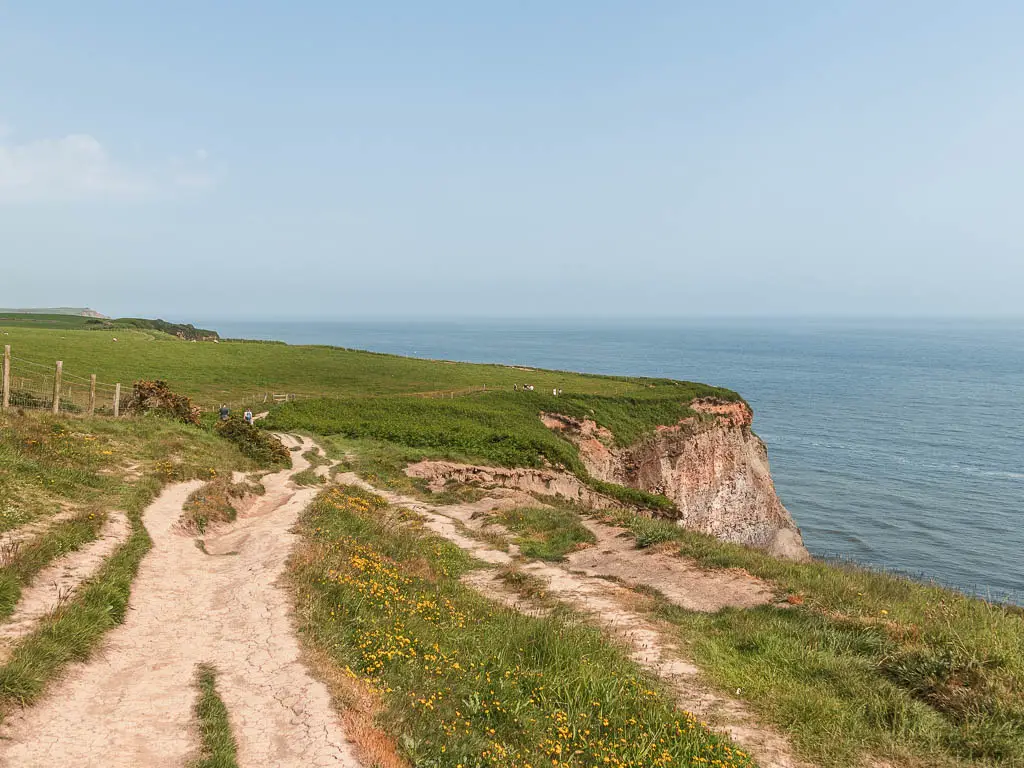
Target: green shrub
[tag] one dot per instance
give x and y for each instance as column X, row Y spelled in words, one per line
column 255, row 443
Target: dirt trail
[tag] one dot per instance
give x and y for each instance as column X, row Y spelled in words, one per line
column 131, row 706
column 609, row 605
column 59, row 580
column 680, row 580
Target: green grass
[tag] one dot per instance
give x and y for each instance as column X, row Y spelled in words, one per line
column 48, row 321
column 230, row 371
column 498, row 428
column 111, row 464
column 218, row 746
column 546, row 533
column 307, row 477
column 78, row 323
column 464, row 681
column 316, row 458
column 862, row 661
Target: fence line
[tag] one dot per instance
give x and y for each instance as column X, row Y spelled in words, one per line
column 30, row 384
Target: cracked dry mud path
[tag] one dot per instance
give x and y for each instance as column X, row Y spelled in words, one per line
column 59, row 580
column 608, row 604
column 131, row 705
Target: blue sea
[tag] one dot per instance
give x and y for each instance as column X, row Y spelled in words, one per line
column 897, row 444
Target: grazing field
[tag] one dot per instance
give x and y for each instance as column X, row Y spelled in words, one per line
column 230, row 370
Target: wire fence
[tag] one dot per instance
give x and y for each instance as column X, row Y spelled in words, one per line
column 31, row 384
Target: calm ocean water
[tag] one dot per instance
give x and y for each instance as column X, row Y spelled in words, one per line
column 896, row 444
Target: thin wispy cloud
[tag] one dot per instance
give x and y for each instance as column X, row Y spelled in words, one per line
column 78, row 167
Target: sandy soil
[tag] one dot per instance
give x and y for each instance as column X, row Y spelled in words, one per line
column 11, row 539
column 680, row 580
column 608, row 604
column 59, row 580
column 131, row 705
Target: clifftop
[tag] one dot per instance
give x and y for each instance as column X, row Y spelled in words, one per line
column 710, row 465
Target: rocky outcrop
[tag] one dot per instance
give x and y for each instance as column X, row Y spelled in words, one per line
column 711, row 465
column 541, row 482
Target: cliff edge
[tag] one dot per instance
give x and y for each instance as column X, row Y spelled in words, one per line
column 711, row 465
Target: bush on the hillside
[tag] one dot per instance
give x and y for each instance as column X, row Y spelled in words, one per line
column 254, row 443
column 157, row 397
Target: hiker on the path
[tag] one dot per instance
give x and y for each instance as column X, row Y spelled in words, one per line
column 247, row 416
column 224, row 412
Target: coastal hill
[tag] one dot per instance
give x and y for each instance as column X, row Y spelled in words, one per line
column 438, row 563
column 72, row 311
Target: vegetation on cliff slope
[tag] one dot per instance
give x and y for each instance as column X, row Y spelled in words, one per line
column 465, row 682
column 859, row 661
column 367, row 395
column 185, row 331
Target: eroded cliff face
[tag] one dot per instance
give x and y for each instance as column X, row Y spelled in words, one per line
column 712, row 466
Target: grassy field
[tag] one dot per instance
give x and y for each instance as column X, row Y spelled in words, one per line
column 860, row 661
column 87, row 466
column 232, row 370
column 466, row 683
column 369, row 395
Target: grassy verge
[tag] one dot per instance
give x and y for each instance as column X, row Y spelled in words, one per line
column 861, row 661
column 316, row 458
column 308, row 477
column 464, row 682
column 215, row 503
column 20, row 565
column 546, row 533
column 218, row 747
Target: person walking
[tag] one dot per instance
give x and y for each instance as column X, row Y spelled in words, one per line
column 224, row 412
column 248, row 416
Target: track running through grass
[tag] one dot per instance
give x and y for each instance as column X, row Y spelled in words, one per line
column 132, row 705
column 607, row 604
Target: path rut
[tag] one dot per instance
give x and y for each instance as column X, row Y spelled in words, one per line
column 59, row 580
column 131, row 705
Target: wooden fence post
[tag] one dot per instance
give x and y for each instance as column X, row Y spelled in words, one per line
column 92, row 394
column 56, row 386
column 117, row 400
column 7, row 377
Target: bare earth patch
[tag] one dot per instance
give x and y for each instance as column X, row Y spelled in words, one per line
column 681, row 581
column 132, row 706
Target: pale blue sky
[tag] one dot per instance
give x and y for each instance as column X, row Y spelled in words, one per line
column 339, row 159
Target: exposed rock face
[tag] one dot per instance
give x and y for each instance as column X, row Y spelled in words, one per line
column 544, row 482
column 712, row 466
